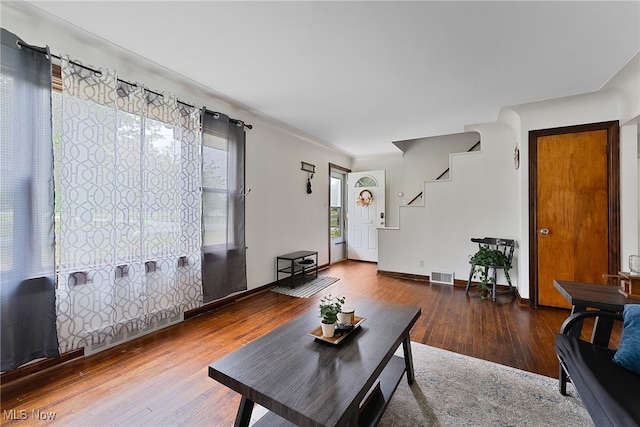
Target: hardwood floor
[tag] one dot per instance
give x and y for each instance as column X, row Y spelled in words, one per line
column 161, row 379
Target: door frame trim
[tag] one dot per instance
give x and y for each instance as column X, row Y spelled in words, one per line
column 333, row 166
column 613, row 188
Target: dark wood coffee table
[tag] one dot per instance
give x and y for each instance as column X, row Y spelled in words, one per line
column 311, row 382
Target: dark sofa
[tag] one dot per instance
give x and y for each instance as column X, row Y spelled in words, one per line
column 610, row 393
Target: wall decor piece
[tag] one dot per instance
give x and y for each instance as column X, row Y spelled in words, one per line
column 308, row 167
column 365, row 198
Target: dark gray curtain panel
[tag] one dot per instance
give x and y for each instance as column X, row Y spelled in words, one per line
column 27, row 306
column 223, row 210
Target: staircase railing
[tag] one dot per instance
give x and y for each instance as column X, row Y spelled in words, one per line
column 415, row 198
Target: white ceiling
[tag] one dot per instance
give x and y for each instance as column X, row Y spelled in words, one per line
column 361, row 74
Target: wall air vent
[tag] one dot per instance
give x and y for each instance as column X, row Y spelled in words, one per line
column 441, row 277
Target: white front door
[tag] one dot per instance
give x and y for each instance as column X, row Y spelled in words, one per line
column 366, row 193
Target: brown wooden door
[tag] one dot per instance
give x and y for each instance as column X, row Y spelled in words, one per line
column 575, row 219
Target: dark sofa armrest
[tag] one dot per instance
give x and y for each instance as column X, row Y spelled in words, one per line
column 575, row 320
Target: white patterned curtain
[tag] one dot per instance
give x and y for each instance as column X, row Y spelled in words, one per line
column 129, row 205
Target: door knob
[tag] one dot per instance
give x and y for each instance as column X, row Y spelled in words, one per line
column 544, row 231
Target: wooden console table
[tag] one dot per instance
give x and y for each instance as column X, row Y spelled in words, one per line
column 292, row 265
column 601, row 297
column 309, row 382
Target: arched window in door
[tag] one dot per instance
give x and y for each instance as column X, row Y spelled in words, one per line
column 366, row 181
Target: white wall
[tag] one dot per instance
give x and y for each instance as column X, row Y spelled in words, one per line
column 488, row 197
column 281, row 217
column 423, row 159
column 629, row 215
column 626, row 86
column 477, row 201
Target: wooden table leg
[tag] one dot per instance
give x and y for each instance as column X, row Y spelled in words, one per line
column 244, row 413
column 408, row 359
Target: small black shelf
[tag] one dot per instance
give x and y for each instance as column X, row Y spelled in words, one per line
column 301, row 264
column 296, row 268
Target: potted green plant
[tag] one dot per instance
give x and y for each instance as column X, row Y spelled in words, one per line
column 329, row 309
column 487, row 257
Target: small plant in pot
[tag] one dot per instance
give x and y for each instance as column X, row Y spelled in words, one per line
column 329, row 309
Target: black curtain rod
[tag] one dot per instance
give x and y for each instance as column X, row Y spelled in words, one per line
column 45, row 51
column 236, row 121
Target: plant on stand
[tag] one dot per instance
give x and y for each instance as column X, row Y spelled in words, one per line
column 329, row 309
column 486, row 258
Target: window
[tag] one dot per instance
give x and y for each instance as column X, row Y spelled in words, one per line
column 56, row 115
column 223, row 237
column 366, row 181
column 335, row 223
column 215, row 193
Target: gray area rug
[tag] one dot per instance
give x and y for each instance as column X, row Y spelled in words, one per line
column 456, row 390
column 307, row 289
